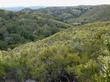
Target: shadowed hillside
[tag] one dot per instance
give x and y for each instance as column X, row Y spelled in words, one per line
column 18, row 28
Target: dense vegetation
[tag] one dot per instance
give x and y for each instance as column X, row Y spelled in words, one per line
column 56, row 44
column 78, row 54
column 31, row 25
column 17, row 28
column 78, row 14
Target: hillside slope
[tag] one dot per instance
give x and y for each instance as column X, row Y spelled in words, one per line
column 76, row 54
column 17, row 28
column 78, row 14
column 97, row 13
column 64, row 13
column 31, row 25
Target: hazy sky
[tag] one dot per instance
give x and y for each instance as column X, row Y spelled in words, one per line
column 11, row 3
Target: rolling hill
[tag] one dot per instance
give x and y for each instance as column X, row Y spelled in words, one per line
column 76, row 54
column 57, row 44
column 30, row 25
column 97, row 13
column 78, row 14
column 17, row 28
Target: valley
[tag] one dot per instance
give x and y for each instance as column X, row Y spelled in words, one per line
column 56, row 44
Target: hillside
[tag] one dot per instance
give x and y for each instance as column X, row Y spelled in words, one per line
column 78, row 14
column 55, row 44
column 64, row 13
column 28, row 25
column 80, row 54
column 17, row 28
column 31, row 25
column 97, row 13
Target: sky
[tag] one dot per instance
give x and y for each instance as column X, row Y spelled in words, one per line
column 26, row 3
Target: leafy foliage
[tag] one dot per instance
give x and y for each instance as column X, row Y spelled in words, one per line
column 31, row 25
column 77, row 54
column 17, row 28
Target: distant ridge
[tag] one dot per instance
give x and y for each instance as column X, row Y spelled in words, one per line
column 20, row 8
